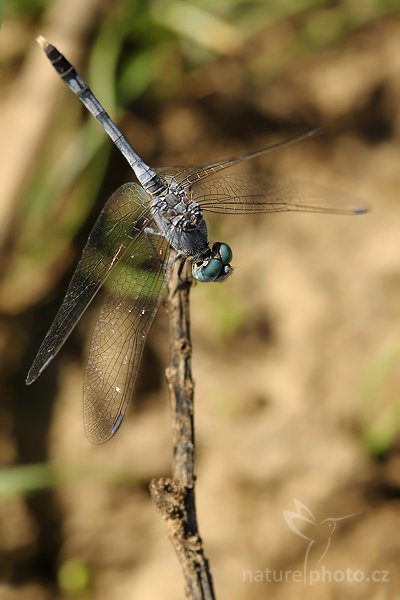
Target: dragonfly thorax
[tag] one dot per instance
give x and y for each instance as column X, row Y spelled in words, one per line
column 179, row 210
column 181, row 221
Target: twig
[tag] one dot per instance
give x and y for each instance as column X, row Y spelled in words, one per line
column 175, row 497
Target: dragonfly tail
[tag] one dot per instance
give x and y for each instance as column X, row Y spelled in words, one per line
column 147, row 177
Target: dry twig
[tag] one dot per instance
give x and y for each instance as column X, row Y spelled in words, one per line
column 175, row 497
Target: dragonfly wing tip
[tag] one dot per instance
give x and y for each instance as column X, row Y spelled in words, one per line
column 29, row 379
column 314, row 132
column 34, row 373
column 117, row 424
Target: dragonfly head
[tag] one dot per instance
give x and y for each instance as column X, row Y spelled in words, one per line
column 216, row 267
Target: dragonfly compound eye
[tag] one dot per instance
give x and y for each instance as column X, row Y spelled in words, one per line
column 208, row 270
column 223, row 251
column 225, row 272
column 216, row 268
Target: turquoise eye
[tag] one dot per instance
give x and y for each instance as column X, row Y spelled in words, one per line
column 224, row 251
column 209, row 272
column 216, row 268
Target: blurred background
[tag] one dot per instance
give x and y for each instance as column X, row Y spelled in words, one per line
column 296, row 357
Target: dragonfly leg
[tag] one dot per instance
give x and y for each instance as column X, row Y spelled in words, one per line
column 181, row 280
column 171, row 261
column 148, row 232
column 181, row 267
column 151, row 231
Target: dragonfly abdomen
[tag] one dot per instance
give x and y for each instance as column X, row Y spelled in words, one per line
column 150, row 181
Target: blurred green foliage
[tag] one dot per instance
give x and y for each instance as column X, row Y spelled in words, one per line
column 27, row 9
column 25, row 480
column 380, row 408
column 229, row 310
column 74, row 577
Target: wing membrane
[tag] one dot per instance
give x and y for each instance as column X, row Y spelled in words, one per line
column 187, row 176
column 263, row 194
column 133, row 294
column 121, row 221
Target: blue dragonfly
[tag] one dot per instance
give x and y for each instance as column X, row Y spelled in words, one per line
column 141, row 230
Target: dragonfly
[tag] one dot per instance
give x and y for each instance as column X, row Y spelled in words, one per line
column 141, row 230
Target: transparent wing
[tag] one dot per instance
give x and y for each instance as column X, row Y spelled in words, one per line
column 133, row 293
column 264, row 194
column 119, row 224
column 187, row 176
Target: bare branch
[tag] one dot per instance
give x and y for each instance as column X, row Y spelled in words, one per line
column 175, row 498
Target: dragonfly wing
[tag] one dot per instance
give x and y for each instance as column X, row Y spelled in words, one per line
column 187, row 176
column 133, row 294
column 121, row 221
column 264, row 194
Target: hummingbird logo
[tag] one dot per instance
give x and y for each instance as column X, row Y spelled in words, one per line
column 319, row 533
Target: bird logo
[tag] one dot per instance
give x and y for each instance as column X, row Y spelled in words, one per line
column 319, row 533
